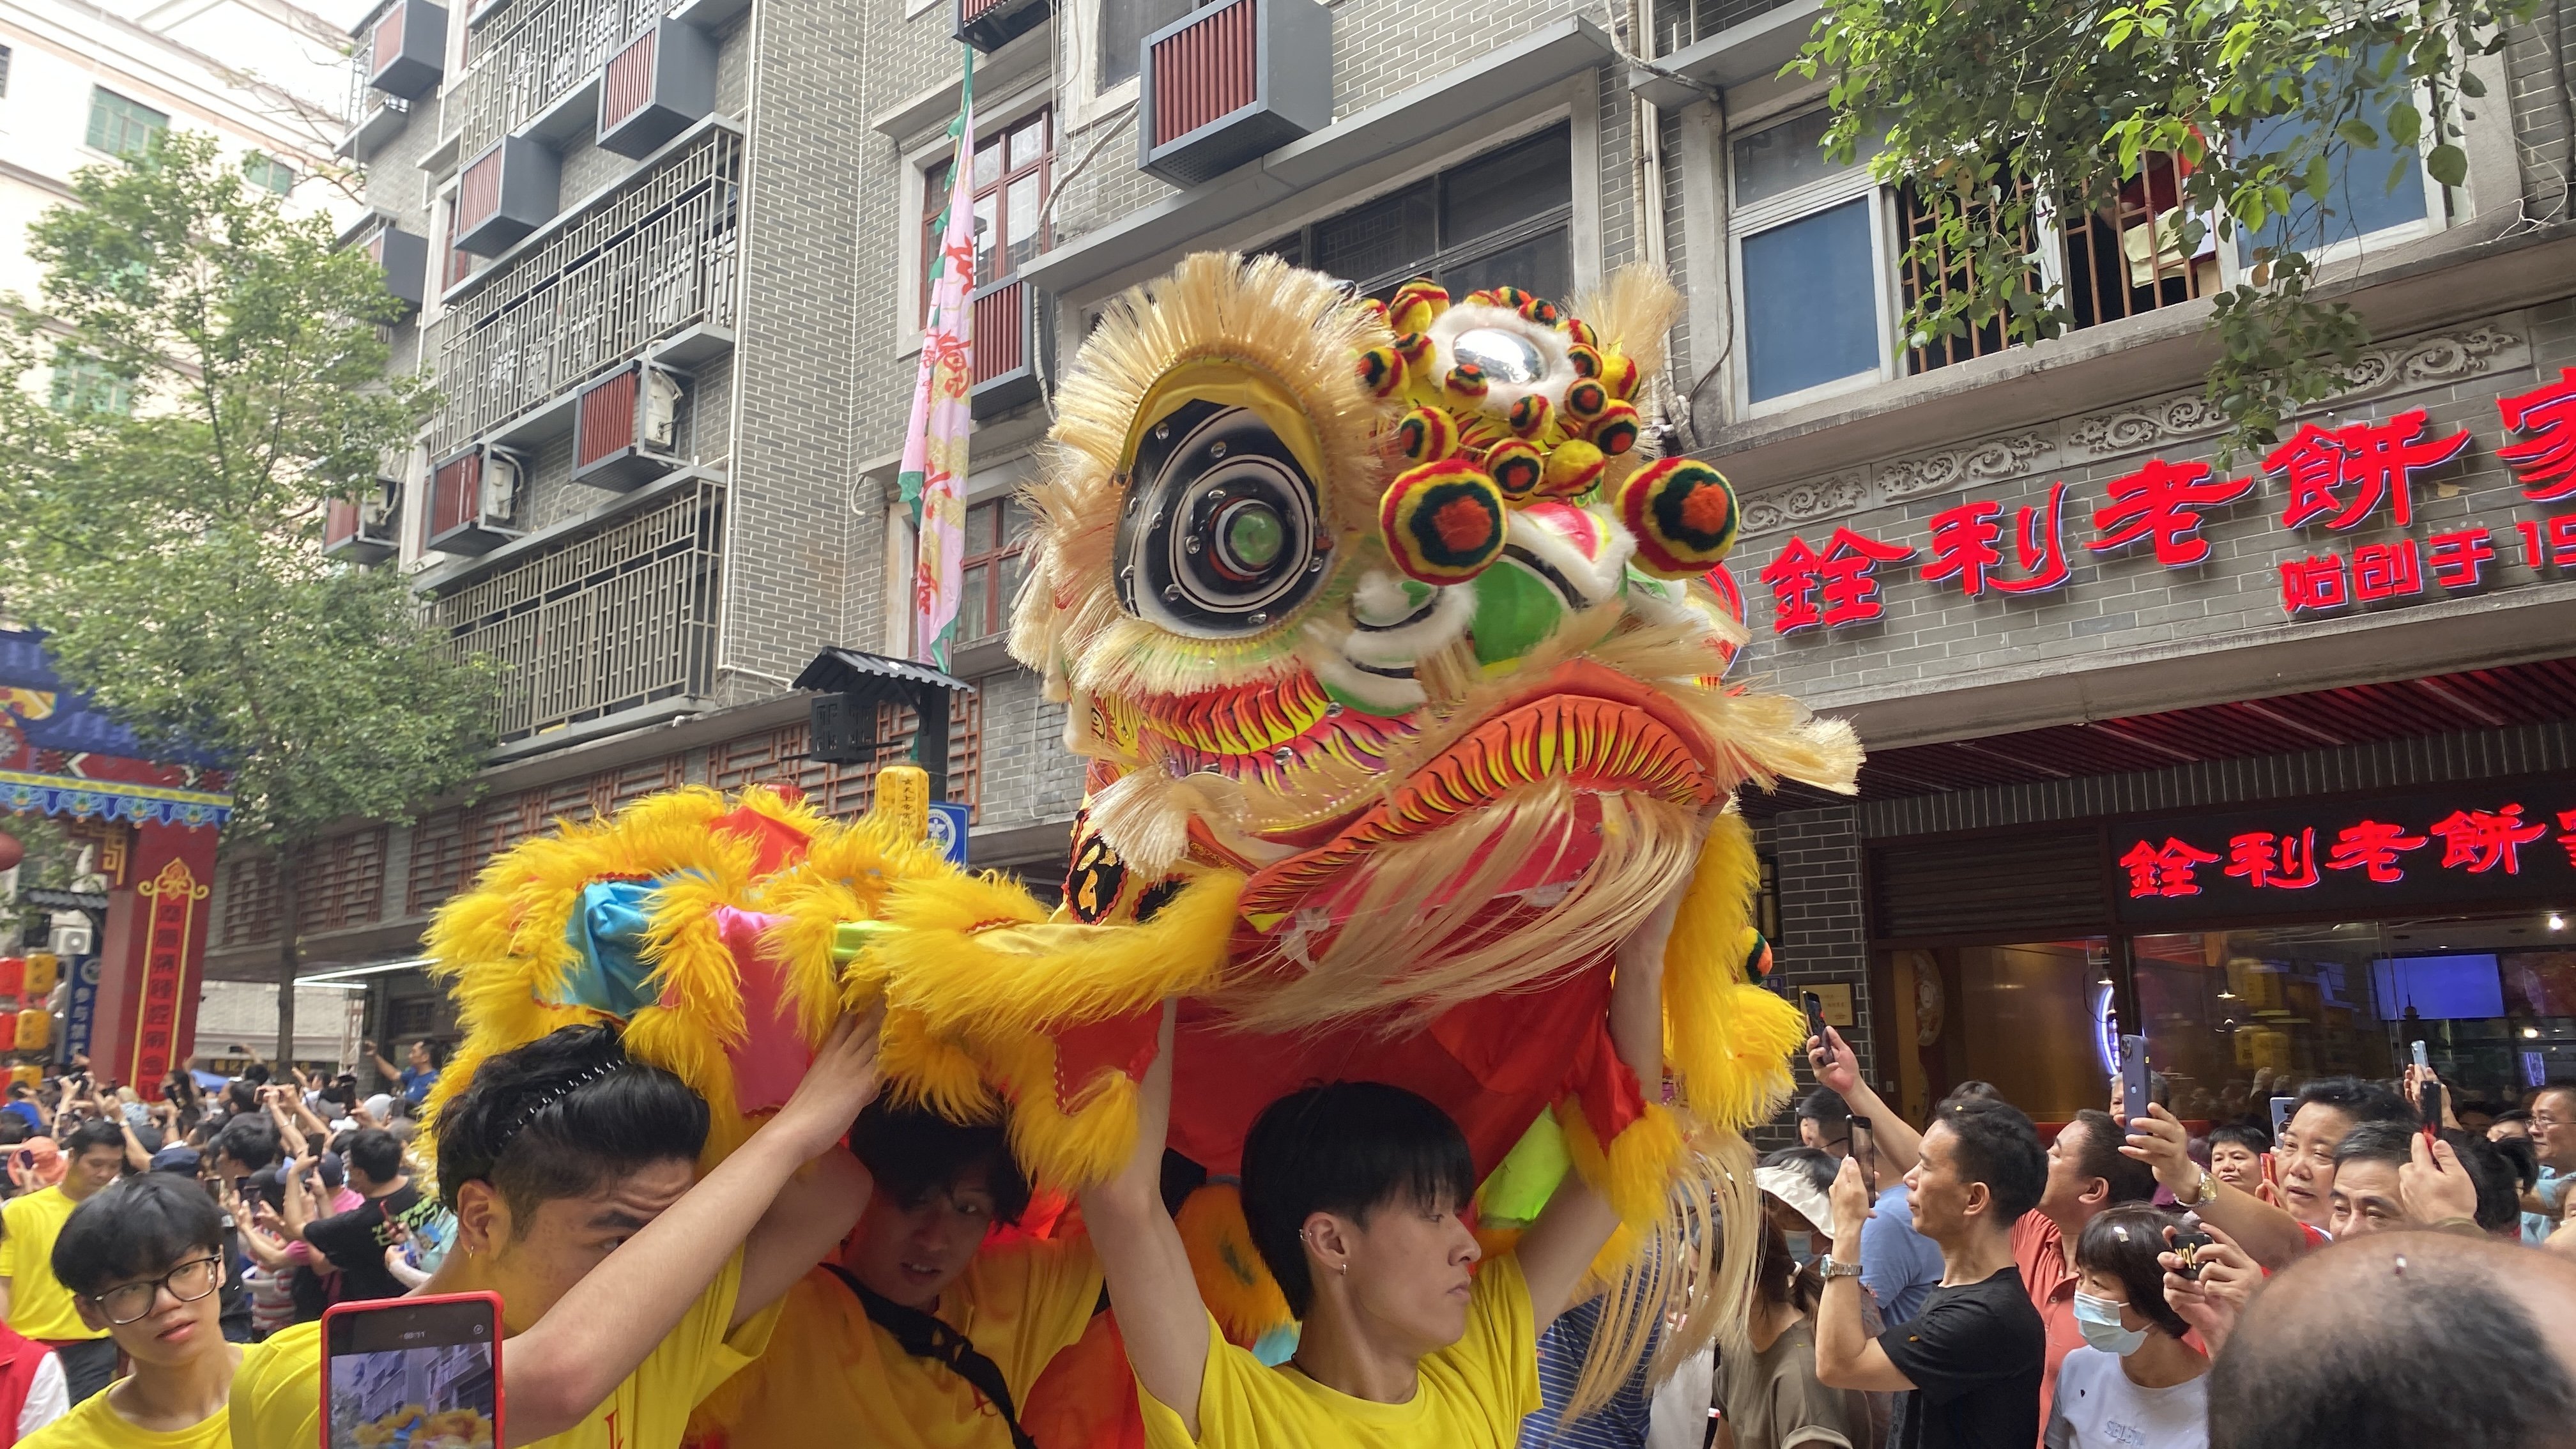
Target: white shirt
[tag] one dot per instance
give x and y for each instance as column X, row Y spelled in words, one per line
column 49, row 1397
column 2097, row 1407
column 1679, row 1416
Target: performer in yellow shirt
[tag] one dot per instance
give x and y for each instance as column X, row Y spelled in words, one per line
column 1352, row 1191
column 143, row 1261
column 629, row 1289
column 36, row 1302
column 922, row 1336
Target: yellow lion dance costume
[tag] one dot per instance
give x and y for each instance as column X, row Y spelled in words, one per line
column 1398, row 672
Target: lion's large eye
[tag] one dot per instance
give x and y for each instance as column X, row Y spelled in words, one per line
column 1505, row 356
column 1221, row 533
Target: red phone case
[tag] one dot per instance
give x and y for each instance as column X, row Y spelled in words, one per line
column 500, row 1394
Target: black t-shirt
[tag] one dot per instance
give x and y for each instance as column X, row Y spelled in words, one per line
column 355, row 1241
column 1974, row 1355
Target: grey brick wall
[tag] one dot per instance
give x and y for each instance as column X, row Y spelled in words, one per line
column 1817, row 854
column 2537, row 69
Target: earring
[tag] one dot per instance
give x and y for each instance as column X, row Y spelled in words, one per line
column 1346, row 1270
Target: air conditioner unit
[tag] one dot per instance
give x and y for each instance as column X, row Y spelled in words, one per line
column 626, row 427
column 661, row 83
column 407, row 48
column 404, row 256
column 505, row 193
column 478, row 500
column 1229, row 82
column 364, row 529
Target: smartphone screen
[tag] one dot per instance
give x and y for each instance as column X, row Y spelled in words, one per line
column 1861, row 1152
column 2281, row 1116
column 418, row 1371
column 1815, row 1014
column 2423, row 1060
column 2135, row 1088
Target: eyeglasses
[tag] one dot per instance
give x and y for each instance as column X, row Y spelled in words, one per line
column 133, row 1302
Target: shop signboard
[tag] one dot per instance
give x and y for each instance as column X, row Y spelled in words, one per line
column 2332, row 479
column 2480, row 842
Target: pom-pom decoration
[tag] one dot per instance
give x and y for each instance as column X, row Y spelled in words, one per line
column 1757, row 956
column 1581, row 331
column 1381, row 371
column 1411, row 344
column 1586, row 399
column 1467, row 383
column 1443, row 521
column 1427, row 434
column 1416, row 305
column 1584, row 358
column 1619, row 374
column 1516, row 465
column 1542, row 311
column 1615, row 431
column 1530, row 416
column 1572, row 468
column 1682, row 513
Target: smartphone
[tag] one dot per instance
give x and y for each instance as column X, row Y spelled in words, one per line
column 1815, row 1015
column 2188, row 1239
column 2281, row 1108
column 2428, row 1103
column 2423, row 1059
column 412, row 1371
column 1861, row 1147
column 2135, row 1085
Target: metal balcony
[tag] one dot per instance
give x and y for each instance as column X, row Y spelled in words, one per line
column 988, row 25
column 506, row 193
column 1228, row 83
column 655, row 88
column 609, row 622
column 650, row 266
column 1009, row 331
column 533, row 67
column 404, row 256
column 406, row 49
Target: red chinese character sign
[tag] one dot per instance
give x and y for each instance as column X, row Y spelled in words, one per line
column 2543, row 455
column 1832, row 587
column 2492, row 843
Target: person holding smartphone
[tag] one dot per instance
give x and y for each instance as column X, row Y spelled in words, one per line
column 144, row 1261
column 629, row 1287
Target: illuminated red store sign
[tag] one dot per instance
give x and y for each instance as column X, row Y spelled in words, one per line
column 2336, row 478
column 2487, row 842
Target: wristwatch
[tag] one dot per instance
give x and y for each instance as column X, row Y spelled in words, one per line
column 1832, row 1270
column 2202, row 1189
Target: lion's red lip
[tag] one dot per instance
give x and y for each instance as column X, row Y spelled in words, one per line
column 1594, row 727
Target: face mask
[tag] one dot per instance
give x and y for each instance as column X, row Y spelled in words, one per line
column 2099, row 1318
column 1802, row 1246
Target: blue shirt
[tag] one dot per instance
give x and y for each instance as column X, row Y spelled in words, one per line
column 416, row 1082
column 2551, row 1187
column 1899, row 1266
column 27, row 1110
column 1619, row 1424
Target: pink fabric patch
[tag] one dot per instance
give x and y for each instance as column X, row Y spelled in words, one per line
column 772, row 1056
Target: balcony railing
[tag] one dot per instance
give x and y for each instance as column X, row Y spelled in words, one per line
column 1680, row 24
column 650, row 260
column 609, row 622
column 524, row 55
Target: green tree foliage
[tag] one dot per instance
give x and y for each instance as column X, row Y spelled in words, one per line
column 171, row 548
column 1998, row 112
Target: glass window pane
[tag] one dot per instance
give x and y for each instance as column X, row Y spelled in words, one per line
column 1387, row 235
column 1021, row 218
column 2234, row 1016
column 1124, row 24
column 1810, row 301
column 988, row 162
column 1029, row 142
column 1007, row 588
column 988, row 237
column 972, row 608
column 1508, row 186
column 1015, row 522
column 2367, row 190
column 2018, row 1017
column 1780, row 158
column 1542, row 266
column 1290, row 249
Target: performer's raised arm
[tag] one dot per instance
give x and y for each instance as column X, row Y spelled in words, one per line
column 1150, row 1287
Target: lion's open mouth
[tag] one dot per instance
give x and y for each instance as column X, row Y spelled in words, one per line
column 1596, row 729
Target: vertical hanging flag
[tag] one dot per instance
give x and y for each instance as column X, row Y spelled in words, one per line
column 933, row 476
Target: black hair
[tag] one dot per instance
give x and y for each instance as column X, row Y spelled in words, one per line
column 256, row 1074
column 270, row 1183
column 240, row 1097
column 91, row 1135
column 1346, row 1148
column 436, row 1049
column 2122, row 1243
column 1778, row 1276
column 14, row 1129
column 2130, row 1179
column 2244, row 1134
column 2382, row 1368
column 2389, row 1142
column 1824, row 1107
column 2499, row 1188
column 2513, row 1114
column 2160, row 1090
column 1996, row 1145
column 249, row 1140
column 561, row 1115
column 1971, row 1090
column 373, row 1151
column 2358, row 1098
column 2521, row 1158
column 333, row 1174
column 913, row 1152
column 138, row 1225
column 1816, row 1163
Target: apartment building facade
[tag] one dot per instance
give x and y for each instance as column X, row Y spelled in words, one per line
column 670, row 275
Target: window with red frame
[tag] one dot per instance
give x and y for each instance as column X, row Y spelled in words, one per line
column 1011, row 178
column 996, row 539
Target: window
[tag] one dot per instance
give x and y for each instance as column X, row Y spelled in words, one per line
column 268, row 171
column 2371, row 190
column 1503, row 218
column 1810, row 256
column 4, row 71
column 1010, row 197
column 996, row 539
column 121, row 127
column 1124, row 24
column 84, row 384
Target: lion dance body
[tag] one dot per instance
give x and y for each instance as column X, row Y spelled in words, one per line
column 1398, row 672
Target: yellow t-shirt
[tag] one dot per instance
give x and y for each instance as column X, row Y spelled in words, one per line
column 1470, row 1395
column 39, row 1305
column 91, row 1424
column 830, row 1376
column 277, row 1395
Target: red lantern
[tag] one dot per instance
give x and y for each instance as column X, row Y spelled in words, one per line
column 12, row 851
column 13, row 976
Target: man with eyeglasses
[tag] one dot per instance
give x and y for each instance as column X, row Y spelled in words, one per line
column 2553, row 1139
column 143, row 1261
column 34, row 1300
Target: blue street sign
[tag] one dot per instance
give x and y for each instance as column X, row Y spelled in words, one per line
column 948, row 829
